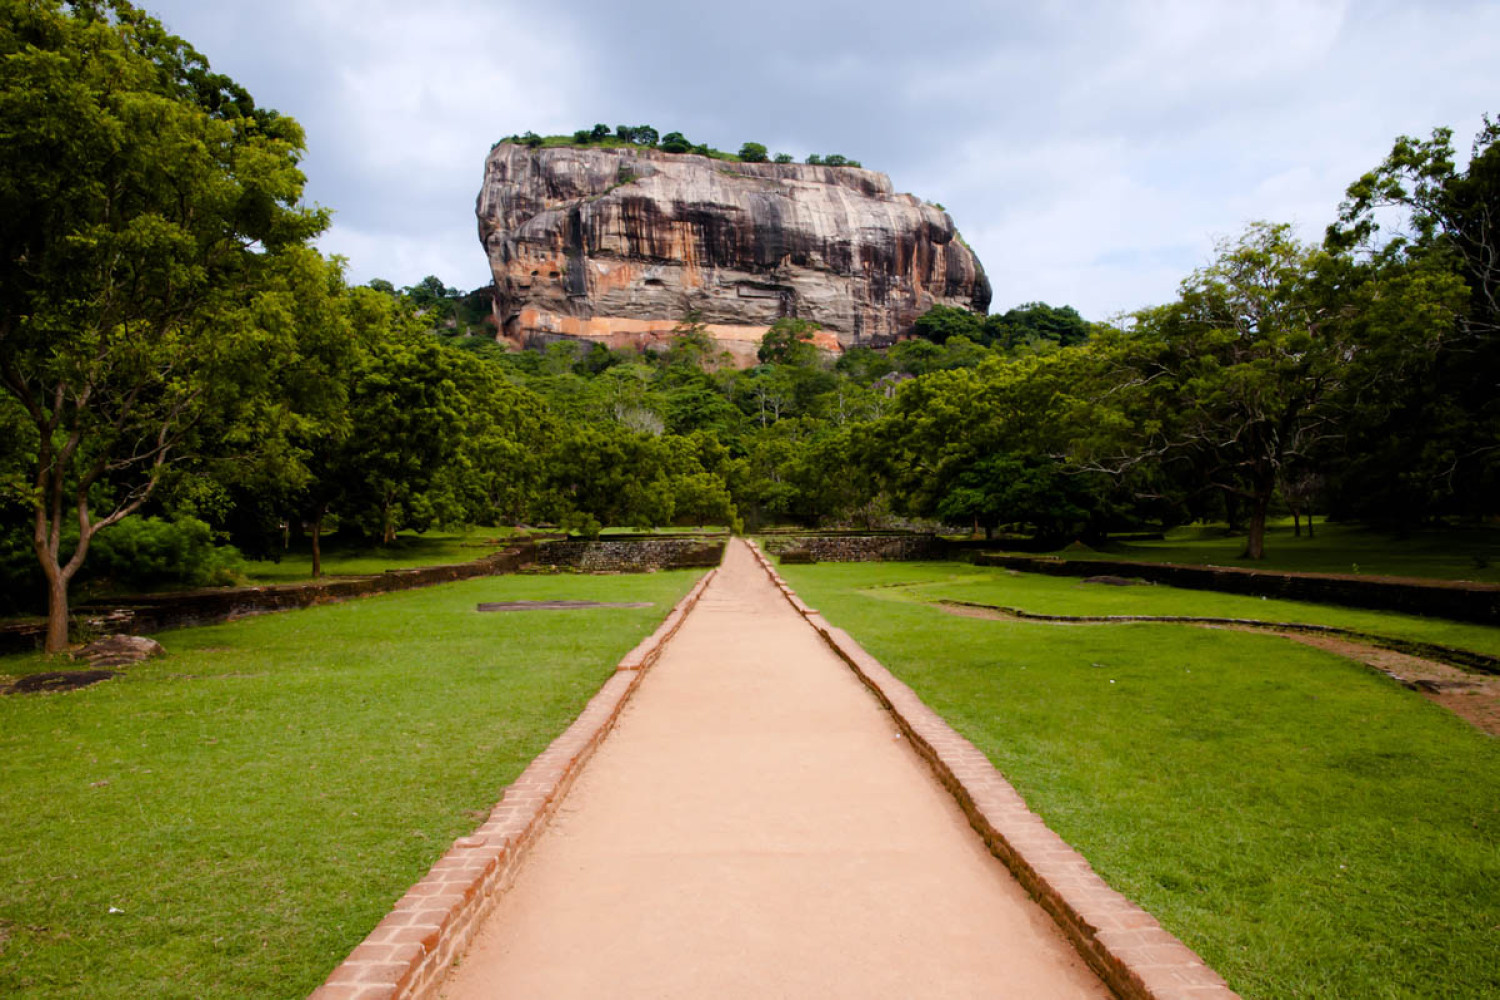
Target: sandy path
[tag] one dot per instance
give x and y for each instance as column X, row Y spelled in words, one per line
column 753, row 828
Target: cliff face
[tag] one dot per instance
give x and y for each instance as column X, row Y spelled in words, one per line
column 616, row 245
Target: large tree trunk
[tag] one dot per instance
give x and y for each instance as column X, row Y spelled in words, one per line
column 1255, row 541
column 57, row 612
column 59, row 574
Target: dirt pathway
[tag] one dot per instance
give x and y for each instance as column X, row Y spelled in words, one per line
column 754, row 828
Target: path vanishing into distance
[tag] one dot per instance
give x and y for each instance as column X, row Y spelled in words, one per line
column 754, row 827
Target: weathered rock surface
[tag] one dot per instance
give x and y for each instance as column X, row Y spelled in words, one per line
column 119, row 650
column 617, row 245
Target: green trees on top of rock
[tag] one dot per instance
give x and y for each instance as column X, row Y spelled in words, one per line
column 671, row 142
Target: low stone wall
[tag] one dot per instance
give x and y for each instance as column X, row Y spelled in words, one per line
column 146, row 613
column 1469, row 602
column 632, row 555
column 860, row 548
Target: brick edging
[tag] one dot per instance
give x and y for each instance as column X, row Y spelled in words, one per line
column 1135, row 955
column 407, row 955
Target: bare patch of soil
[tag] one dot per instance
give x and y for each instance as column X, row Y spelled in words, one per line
column 60, row 680
column 1472, row 697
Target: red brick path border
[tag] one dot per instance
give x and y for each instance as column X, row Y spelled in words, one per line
column 1124, row 944
column 408, row 953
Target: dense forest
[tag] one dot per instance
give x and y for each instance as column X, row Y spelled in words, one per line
column 181, row 371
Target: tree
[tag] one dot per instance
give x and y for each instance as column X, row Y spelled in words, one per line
column 675, row 142
column 753, row 152
column 941, row 322
column 783, row 158
column 143, row 200
column 1439, row 431
column 1036, row 323
column 600, row 132
column 789, row 342
column 1233, row 376
column 814, row 160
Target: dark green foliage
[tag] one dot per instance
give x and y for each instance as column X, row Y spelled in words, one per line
column 142, row 553
column 674, row 142
column 147, row 209
column 1423, row 405
column 941, row 322
column 783, row 158
column 753, row 152
column 789, row 342
column 1036, row 323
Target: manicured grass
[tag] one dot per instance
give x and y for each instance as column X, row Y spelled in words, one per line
column 1444, row 554
column 1308, row 826
column 1052, row 595
column 410, row 551
column 255, row 801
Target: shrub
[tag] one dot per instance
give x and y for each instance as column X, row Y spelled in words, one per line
column 753, row 152
column 142, row 552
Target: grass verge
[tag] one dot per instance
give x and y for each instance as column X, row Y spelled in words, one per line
column 410, row 551
column 1441, row 554
column 1309, row 827
column 1053, row 595
column 231, row 819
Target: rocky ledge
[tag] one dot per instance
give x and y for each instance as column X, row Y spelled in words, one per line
column 616, row 245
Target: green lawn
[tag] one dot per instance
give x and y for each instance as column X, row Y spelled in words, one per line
column 254, row 802
column 1446, row 554
column 410, row 551
column 1308, row 826
column 1054, row 595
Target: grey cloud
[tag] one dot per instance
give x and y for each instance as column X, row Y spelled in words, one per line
column 1091, row 151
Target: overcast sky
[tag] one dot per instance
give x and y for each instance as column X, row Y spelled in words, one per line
column 1090, row 152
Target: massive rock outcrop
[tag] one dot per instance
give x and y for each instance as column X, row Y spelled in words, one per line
column 617, row 245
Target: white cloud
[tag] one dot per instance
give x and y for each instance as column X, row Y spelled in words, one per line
column 1090, row 151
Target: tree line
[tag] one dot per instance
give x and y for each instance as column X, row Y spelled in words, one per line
column 646, row 136
column 179, row 366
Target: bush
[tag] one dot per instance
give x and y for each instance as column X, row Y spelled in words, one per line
column 753, row 152
column 142, row 552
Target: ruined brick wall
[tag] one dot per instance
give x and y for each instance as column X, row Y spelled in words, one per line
column 633, row 555
column 859, row 548
column 1470, row 602
column 147, row 613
